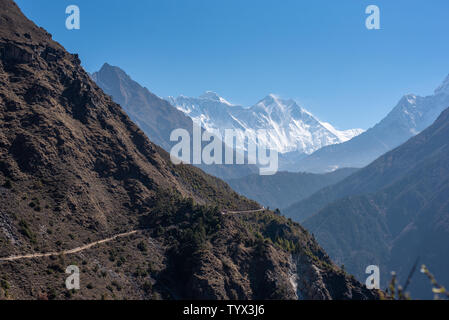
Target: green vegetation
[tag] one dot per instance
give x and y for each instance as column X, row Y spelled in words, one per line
column 116, row 285
column 275, row 229
column 25, row 230
column 147, row 287
column 183, row 222
column 35, row 205
column 142, row 246
column 7, row 184
column 210, row 188
column 4, row 284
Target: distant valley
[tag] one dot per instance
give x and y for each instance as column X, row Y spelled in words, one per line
column 285, row 188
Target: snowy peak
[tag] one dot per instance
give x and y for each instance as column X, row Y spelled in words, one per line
column 345, row 135
column 274, row 106
column 291, row 127
column 443, row 88
column 272, row 102
column 210, row 95
column 416, row 113
column 271, row 99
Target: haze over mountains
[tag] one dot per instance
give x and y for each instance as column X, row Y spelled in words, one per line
column 285, row 188
column 318, row 147
column 391, row 212
column 376, row 216
column 75, row 169
column 412, row 115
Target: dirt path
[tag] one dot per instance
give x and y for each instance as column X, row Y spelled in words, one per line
column 90, row 245
column 247, row 211
column 72, row 251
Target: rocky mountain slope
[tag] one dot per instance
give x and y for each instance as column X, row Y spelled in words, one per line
column 412, row 115
column 292, row 128
column 285, row 188
column 155, row 116
column 74, row 169
column 391, row 212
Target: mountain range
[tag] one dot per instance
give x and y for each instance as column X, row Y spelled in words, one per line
column 156, row 116
column 290, row 127
column 285, row 188
column 76, row 172
column 411, row 115
column 382, row 215
column 390, row 213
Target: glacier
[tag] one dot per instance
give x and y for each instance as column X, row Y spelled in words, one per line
column 292, row 128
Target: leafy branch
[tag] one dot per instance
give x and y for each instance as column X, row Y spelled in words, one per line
column 437, row 288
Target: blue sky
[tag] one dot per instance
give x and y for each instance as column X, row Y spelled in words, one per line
column 318, row 52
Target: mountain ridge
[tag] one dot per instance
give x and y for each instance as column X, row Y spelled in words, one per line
column 409, row 117
column 389, row 213
column 74, row 169
column 156, row 116
column 291, row 127
column 285, row 188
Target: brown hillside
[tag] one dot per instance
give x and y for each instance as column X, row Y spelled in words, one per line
column 74, row 170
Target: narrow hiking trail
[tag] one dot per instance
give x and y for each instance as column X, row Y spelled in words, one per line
column 90, row 245
column 65, row 252
column 247, row 211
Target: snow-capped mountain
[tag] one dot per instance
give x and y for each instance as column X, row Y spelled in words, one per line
column 155, row 116
column 443, row 89
column 289, row 126
column 409, row 117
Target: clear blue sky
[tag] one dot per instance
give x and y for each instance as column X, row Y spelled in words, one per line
column 315, row 51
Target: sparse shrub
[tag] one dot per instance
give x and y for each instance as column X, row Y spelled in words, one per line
column 68, row 294
column 51, row 294
column 147, row 287
column 56, row 268
column 25, row 230
column 142, row 246
column 121, row 261
column 35, row 205
column 4, row 284
column 117, row 285
column 7, row 184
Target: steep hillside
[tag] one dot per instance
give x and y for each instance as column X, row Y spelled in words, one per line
column 285, row 188
column 74, row 171
column 391, row 212
column 384, row 171
column 412, row 115
column 156, row 116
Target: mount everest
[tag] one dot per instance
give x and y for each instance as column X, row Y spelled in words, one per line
column 290, row 127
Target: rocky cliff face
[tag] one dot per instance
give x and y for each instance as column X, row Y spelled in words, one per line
column 75, row 170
